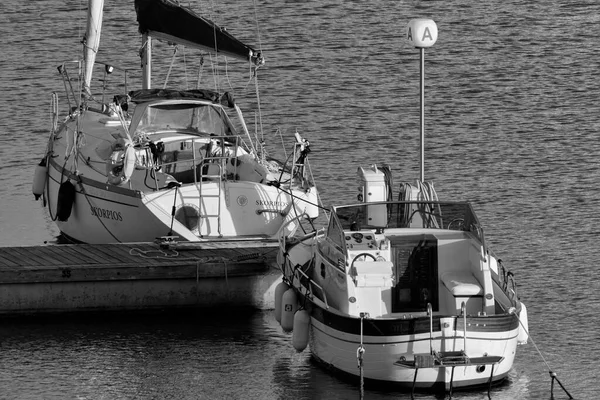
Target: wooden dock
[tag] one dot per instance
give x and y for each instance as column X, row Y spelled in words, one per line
column 135, row 276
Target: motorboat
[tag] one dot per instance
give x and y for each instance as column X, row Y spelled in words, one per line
column 407, row 290
column 164, row 162
column 401, row 290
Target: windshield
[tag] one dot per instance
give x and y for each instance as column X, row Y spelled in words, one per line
column 192, row 117
column 410, row 214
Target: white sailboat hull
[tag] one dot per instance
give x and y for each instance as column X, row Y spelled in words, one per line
column 103, row 213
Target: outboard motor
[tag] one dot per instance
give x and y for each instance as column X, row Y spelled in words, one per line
column 375, row 187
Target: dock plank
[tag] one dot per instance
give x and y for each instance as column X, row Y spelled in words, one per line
column 20, row 255
column 84, row 250
column 105, row 252
column 6, row 258
column 42, row 255
column 66, row 254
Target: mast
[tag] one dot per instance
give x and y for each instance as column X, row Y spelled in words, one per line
column 91, row 40
column 146, row 61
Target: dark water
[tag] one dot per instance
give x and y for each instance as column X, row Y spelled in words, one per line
column 512, row 116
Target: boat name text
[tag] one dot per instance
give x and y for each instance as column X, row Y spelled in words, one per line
column 271, row 203
column 107, row 214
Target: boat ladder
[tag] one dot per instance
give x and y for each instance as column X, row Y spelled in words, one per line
column 215, row 170
column 448, row 359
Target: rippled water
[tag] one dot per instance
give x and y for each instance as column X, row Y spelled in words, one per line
column 511, row 124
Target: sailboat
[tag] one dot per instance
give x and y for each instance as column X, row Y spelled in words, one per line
column 164, row 162
column 400, row 290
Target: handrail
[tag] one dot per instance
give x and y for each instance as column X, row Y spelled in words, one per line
column 464, row 315
column 311, row 283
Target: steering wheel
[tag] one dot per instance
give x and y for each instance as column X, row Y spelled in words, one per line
column 362, row 255
column 459, row 223
column 352, row 271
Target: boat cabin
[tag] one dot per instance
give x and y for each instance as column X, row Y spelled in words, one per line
column 187, row 137
column 399, row 258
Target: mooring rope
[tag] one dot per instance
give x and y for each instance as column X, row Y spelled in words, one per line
column 553, row 374
column 145, row 253
column 359, row 357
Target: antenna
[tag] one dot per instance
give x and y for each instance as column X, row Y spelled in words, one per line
column 422, row 33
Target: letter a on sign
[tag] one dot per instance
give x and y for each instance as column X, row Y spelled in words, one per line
column 422, row 32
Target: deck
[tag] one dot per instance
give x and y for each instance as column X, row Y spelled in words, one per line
column 81, row 277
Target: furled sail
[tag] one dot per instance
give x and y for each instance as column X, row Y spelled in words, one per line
column 91, row 41
column 164, row 19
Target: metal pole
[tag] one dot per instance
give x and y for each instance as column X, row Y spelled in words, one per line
column 146, row 61
column 422, row 114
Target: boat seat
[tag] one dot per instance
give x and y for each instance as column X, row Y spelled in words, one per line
column 462, row 284
column 374, row 273
column 462, row 287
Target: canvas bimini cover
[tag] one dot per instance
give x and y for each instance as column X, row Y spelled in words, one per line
column 164, row 19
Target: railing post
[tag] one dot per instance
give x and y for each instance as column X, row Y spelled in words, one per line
column 430, row 313
column 463, row 310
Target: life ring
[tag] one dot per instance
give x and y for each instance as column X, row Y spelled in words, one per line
column 121, row 163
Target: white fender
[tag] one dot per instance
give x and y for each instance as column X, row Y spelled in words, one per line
column 289, row 304
column 281, row 288
column 312, row 203
column 523, row 326
column 301, row 330
column 39, row 178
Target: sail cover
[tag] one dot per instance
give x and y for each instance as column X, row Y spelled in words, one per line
column 167, row 20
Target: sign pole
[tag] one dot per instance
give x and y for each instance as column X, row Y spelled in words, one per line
column 422, row 33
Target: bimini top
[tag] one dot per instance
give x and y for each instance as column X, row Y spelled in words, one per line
column 167, row 20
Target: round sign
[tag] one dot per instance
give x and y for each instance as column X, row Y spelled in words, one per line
column 422, row 32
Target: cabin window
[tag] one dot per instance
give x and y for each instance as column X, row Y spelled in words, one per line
column 198, row 118
column 335, row 234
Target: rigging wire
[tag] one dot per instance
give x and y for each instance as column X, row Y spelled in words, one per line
column 171, row 66
column 185, row 69
column 200, row 70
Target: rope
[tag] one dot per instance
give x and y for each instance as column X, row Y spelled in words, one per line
column 262, row 135
column 162, row 254
column 170, row 67
column 200, row 70
column 185, row 70
column 282, row 142
column 304, row 200
column 359, row 356
column 553, row 375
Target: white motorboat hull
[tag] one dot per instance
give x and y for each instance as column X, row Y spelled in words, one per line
column 423, row 306
column 338, row 350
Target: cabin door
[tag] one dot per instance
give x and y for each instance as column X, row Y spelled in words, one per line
column 416, row 282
